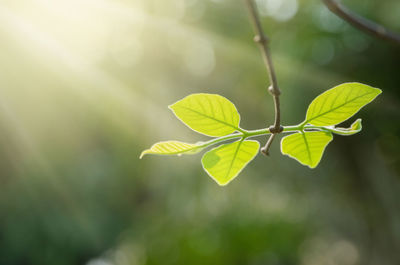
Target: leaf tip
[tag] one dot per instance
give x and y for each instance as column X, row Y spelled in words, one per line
column 378, row 90
column 222, row 184
column 357, row 125
column 170, row 106
column 313, row 166
column 143, row 154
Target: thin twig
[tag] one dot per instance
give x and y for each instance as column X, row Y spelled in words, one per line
column 263, row 41
column 265, row 149
column 361, row 23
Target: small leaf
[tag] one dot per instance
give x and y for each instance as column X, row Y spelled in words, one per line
column 306, row 147
column 354, row 128
column 225, row 162
column 171, row 148
column 209, row 114
column 339, row 103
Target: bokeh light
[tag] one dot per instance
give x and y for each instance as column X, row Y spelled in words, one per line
column 84, row 88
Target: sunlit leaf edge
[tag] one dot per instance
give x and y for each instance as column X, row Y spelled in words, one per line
column 309, row 121
column 237, row 174
column 322, row 153
column 235, row 128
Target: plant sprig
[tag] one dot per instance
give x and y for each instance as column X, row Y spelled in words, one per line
column 215, row 116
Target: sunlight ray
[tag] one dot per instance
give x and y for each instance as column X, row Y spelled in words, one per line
column 77, row 67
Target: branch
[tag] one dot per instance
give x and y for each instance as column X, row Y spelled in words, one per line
column 361, row 23
column 273, row 89
column 265, row 149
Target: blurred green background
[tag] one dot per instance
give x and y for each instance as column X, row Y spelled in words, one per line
column 84, row 88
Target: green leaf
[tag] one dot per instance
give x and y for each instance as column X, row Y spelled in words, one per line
column 209, row 114
column 225, row 162
column 339, row 103
column 306, row 147
column 171, row 148
column 354, row 128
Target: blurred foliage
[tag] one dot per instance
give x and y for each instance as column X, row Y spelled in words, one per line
column 84, row 88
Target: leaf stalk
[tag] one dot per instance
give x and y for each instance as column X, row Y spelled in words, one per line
column 244, row 134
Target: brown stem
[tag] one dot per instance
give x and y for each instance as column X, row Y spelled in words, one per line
column 265, row 149
column 361, row 23
column 263, row 42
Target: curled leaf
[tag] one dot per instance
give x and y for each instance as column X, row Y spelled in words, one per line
column 354, row 128
column 172, row 148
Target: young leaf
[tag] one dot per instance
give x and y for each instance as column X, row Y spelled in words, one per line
column 209, row 114
column 171, row 148
column 225, row 162
column 339, row 103
column 306, row 147
column 354, row 128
